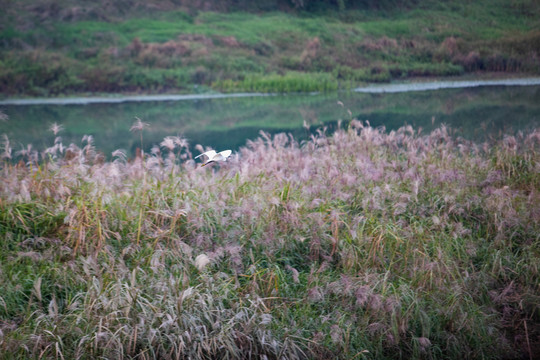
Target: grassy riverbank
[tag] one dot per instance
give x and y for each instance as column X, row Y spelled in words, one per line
column 60, row 48
column 419, row 246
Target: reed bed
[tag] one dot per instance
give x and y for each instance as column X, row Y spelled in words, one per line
column 359, row 244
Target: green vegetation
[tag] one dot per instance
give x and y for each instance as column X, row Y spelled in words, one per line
column 418, row 246
column 50, row 48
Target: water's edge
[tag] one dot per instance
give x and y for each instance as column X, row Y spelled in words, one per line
column 373, row 89
column 121, row 99
column 436, row 85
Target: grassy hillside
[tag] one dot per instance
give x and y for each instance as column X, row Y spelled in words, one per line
column 418, row 247
column 72, row 46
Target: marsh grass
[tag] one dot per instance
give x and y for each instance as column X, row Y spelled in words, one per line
column 359, row 244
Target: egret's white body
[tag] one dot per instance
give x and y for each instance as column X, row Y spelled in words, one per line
column 214, row 156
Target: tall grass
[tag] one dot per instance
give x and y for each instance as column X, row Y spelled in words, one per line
column 362, row 244
column 289, row 83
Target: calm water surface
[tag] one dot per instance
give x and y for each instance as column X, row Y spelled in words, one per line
column 473, row 110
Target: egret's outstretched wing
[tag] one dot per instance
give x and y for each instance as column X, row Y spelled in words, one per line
column 225, row 154
column 210, row 154
column 218, row 157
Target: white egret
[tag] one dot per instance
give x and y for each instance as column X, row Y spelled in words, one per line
column 214, row 157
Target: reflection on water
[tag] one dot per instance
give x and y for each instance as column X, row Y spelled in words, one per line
column 437, row 85
column 476, row 113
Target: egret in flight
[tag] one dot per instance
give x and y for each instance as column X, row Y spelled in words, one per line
column 214, row 157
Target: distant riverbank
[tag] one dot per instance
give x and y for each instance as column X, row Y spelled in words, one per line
column 78, row 47
column 386, row 88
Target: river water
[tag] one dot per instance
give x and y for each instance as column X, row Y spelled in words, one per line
column 473, row 109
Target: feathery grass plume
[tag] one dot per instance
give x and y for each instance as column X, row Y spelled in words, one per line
column 3, row 116
column 6, row 148
column 138, row 125
column 201, row 261
column 120, row 156
column 168, row 143
column 56, row 128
